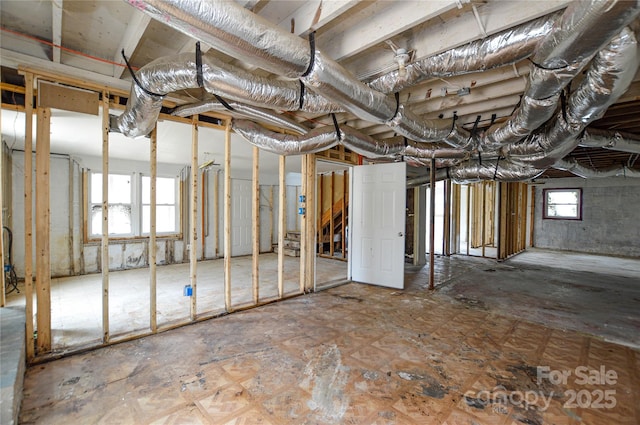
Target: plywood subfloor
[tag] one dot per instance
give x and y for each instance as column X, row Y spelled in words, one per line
column 354, row 354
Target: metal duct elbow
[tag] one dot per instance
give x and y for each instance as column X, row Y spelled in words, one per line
column 574, row 167
column 504, row 48
column 314, row 141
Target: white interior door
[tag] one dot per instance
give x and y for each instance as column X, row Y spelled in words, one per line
column 377, row 227
column 241, row 242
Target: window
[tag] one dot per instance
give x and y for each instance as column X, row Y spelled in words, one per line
column 130, row 205
column 563, row 204
column 165, row 205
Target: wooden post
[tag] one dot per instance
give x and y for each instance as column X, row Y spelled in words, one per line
column 227, row 217
column 193, row 218
column 416, row 225
column 203, row 214
column 432, row 223
column 309, row 240
column 43, row 231
column 331, row 221
column 105, row 217
column 216, row 210
column 345, row 185
column 303, row 224
column 532, row 216
column 3, row 287
column 153, row 159
column 255, row 225
column 468, row 218
column 271, row 199
column 483, row 225
column 503, row 218
column 447, row 217
column 282, row 221
column 320, row 214
column 28, row 214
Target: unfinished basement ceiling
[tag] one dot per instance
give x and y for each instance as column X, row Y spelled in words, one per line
column 367, row 38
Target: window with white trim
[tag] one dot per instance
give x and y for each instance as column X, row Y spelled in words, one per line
column 563, row 204
column 130, row 205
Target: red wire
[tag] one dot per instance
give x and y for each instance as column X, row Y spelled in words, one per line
column 66, row 49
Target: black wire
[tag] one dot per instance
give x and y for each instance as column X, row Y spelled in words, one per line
column 135, row 79
column 199, row 78
column 302, row 89
column 224, row 103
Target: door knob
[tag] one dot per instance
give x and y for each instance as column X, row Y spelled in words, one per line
column 400, row 234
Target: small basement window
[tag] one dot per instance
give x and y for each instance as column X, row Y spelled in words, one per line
column 563, row 204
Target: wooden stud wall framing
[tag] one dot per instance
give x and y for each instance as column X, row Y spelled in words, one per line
column 303, row 224
column 255, row 225
column 227, row 217
column 331, row 218
column 345, row 192
column 447, row 217
column 2, row 260
column 153, row 159
column 105, row 217
column 193, row 217
column 310, row 219
column 43, row 229
column 282, row 222
column 432, row 223
column 28, row 214
column 216, row 211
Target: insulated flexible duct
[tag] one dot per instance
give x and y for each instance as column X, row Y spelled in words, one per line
column 571, row 165
column 172, row 73
column 504, row 48
column 322, row 138
column 609, row 75
column 239, row 109
column 613, row 140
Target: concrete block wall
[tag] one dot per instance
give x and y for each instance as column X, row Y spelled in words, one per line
column 609, row 222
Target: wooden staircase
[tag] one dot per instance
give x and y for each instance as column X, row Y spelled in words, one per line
column 292, row 244
column 330, row 234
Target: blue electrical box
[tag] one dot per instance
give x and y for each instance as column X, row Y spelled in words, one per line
column 301, row 210
column 188, row 291
column 302, row 198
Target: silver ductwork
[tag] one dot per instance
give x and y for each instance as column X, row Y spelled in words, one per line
column 239, row 109
column 530, row 142
column 173, row 73
column 322, row 138
column 613, row 140
column 572, row 166
column 504, row 48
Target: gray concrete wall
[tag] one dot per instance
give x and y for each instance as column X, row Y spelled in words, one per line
column 610, row 213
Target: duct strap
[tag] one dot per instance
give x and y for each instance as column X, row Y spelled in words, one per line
column 335, row 124
column 224, row 103
column 474, row 130
column 493, row 119
column 135, row 79
column 312, row 48
column 397, row 95
column 453, row 120
column 517, row 105
column 495, row 172
column 199, row 78
column 301, row 94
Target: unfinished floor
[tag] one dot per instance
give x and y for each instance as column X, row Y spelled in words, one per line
column 359, row 354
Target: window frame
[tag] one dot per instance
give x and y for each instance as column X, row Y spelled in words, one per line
column 136, row 209
column 176, row 205
column 545, row 204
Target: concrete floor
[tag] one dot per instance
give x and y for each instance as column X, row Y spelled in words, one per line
column 473, row 352
column 76, row 303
